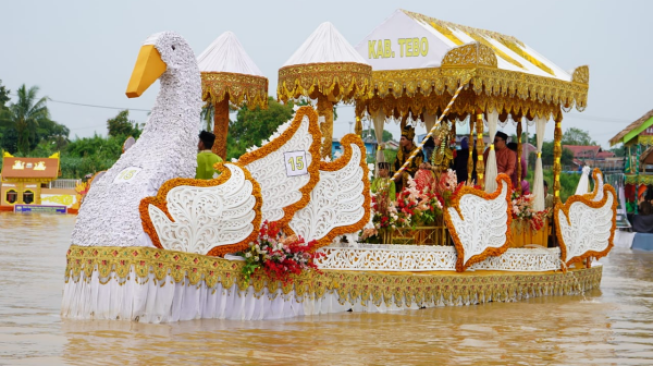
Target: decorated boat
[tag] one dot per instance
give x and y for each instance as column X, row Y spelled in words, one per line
column 285, row 231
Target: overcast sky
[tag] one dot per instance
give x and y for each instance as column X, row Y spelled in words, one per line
column 84, row 51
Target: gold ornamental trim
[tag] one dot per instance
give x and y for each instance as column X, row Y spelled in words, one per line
column 241, row 89
column 339, row 81
column 398, row 288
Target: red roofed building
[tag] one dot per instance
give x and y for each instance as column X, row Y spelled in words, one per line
column 595, row 157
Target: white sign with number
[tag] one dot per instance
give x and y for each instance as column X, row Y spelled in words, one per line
column 295, row 162
column 127, row 175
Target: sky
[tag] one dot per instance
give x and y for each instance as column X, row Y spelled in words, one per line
column 84, row 52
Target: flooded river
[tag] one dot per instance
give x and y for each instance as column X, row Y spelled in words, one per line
column 610, row 326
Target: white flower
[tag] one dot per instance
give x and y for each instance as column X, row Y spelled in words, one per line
column 248, row 254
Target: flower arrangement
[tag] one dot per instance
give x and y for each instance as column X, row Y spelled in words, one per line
column 522, row 209
column 277, row 255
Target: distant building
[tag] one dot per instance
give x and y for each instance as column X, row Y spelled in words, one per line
column 595, row 157
column 337, row 150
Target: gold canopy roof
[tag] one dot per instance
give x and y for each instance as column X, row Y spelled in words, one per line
column 501, row 72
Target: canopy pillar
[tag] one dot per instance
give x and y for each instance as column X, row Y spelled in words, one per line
column 221, row 127
column 325, row 113
column 557, row 153
column 519, row 156
column 480, row 146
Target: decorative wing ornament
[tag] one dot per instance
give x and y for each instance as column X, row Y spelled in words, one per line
column 586, row 224
column 340, row 202
column 479, row 223
column 208, row 217
column 283, row 194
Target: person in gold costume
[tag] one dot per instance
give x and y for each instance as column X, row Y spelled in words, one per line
column 406, row 148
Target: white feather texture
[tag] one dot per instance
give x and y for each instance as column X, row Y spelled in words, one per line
column 167, row 149
column 206, row 217
column 278, row 189
column 336, row 201
column 586, row 228
column 483, row 224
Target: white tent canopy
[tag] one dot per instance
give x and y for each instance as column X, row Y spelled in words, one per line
column 226, row 54
column 408, row 40
column 326, row 44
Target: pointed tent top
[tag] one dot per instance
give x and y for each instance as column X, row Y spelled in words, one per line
column 326, row 44
column 226, row 54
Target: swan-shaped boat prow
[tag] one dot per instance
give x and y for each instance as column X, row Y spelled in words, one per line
column 586, row 224
column 166, row 149
column 472, row 209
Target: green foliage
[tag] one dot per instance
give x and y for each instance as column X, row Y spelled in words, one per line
column 252, row 127
column 120, row 125
column 23, row 118
column 568, row 182
column 576, row 136
column 387, row 135
column 619, row 152
column 4, row 95
column 566, row 159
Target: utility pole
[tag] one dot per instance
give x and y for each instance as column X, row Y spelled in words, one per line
column 350, row 125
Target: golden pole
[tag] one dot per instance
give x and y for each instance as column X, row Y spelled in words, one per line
column 221, row 127
column 360, row 108
column 470, row 149
column 325, row 109
column 519, row 152
column 480, row 146
column 557, row 153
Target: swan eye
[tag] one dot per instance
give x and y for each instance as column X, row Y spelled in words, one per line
column 173, row 47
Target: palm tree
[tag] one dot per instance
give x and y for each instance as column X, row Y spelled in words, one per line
column 25, row 115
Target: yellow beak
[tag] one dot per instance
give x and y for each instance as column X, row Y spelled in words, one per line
column 149, row 67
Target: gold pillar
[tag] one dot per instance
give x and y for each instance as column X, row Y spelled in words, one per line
column 519, row 157
column 470, row 149
column 360, row 109
column 221, row 127
column 557, row 153
column 480, row 146
column 325, row 109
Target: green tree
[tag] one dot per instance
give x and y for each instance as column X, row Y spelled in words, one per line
column 120, row 125
column 576, row 136
column 25, row 116
column 4, row 96
column 619, row 152
column 387, row 135
column 252, row 127
column 566, row 158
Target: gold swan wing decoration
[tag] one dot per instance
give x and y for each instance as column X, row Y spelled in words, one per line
column 479, row 223
column 585, row 225
column 208, row 217
column 340, row 202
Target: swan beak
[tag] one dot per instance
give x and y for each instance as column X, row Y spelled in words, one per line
column 149, row 67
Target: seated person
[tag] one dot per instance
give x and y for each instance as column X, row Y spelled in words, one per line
column 205, row 157
column 506, row 158
column 645, row 206
column 384, row 179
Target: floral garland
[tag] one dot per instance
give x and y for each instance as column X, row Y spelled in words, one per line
column 280, row 257
column 314, row 151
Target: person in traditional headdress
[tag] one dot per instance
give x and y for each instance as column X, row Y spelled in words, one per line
column 506, row 158
column 406, row 148
column 383, row 181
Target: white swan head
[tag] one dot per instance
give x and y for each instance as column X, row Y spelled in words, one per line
column 161, row 53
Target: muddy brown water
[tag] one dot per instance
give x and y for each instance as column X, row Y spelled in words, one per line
column 610, row 326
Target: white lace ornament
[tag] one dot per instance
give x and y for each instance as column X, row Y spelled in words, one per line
column 207, row 217
column 277, row 189
column 484, row 222
column 388, row 257
column 336, row 201
column 167, row 149
column 586, row 229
